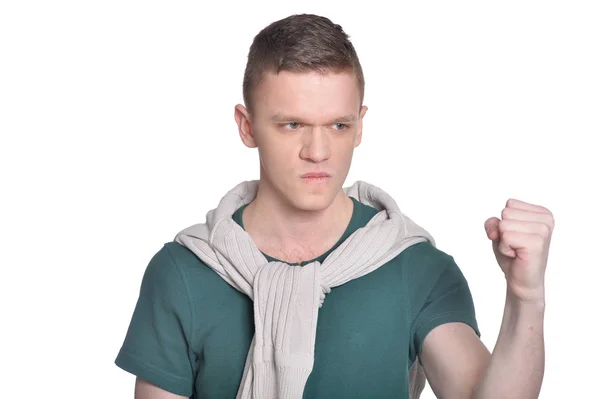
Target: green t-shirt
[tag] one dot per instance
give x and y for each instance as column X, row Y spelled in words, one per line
column 190, row 331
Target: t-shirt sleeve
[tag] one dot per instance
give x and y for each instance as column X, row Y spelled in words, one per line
column 439, row 294
column 157, row 344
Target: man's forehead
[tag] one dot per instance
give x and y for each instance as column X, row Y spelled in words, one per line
column 309, row 94
column 285, row 83
column 311, row 74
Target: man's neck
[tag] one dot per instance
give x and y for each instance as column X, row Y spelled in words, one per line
column 280, row 231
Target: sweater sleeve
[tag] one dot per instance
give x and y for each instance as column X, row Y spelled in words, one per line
column 439, row 294
column 157, row 344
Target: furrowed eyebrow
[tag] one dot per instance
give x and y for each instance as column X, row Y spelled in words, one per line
column 347, row 118
column 284, row 118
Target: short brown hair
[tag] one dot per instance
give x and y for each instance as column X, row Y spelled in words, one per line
column 300, row 43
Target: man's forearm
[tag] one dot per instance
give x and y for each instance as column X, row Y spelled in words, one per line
column 516, row 368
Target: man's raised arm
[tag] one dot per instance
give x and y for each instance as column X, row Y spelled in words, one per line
column 146, row 390
column 456, row 362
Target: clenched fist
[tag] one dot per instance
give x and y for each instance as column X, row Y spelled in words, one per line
column 521, row 242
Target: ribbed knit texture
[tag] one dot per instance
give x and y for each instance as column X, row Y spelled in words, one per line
column 287, row 299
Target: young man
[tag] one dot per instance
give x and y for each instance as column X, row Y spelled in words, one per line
column 298, row 287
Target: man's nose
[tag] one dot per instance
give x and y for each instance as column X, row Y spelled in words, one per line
column 315, row 145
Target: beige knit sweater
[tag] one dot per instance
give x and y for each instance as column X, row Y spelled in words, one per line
column 287, row 299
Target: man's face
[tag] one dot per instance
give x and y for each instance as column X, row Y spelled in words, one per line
column 303, row 124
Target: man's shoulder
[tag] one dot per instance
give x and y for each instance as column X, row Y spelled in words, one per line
column 424, row 254
column 182, row 257
column 423, row 264
column 175, row 261
column 174, row 265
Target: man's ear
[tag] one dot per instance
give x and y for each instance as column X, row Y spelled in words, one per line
column 363, row 111
column 242, row 118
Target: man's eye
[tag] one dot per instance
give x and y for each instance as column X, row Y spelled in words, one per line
column 340, row 126
column 292, row 125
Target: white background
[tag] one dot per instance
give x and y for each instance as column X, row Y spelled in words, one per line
column 117, row 131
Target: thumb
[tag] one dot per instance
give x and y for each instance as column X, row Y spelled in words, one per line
column 491, row 228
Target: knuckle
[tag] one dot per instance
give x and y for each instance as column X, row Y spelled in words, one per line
column 545, row 210
column 545, row 230
column 539, row 242
column 505, row 213
column 502, row 226
column 551, row 221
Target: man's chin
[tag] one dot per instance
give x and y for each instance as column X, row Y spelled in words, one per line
column 311, row 200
